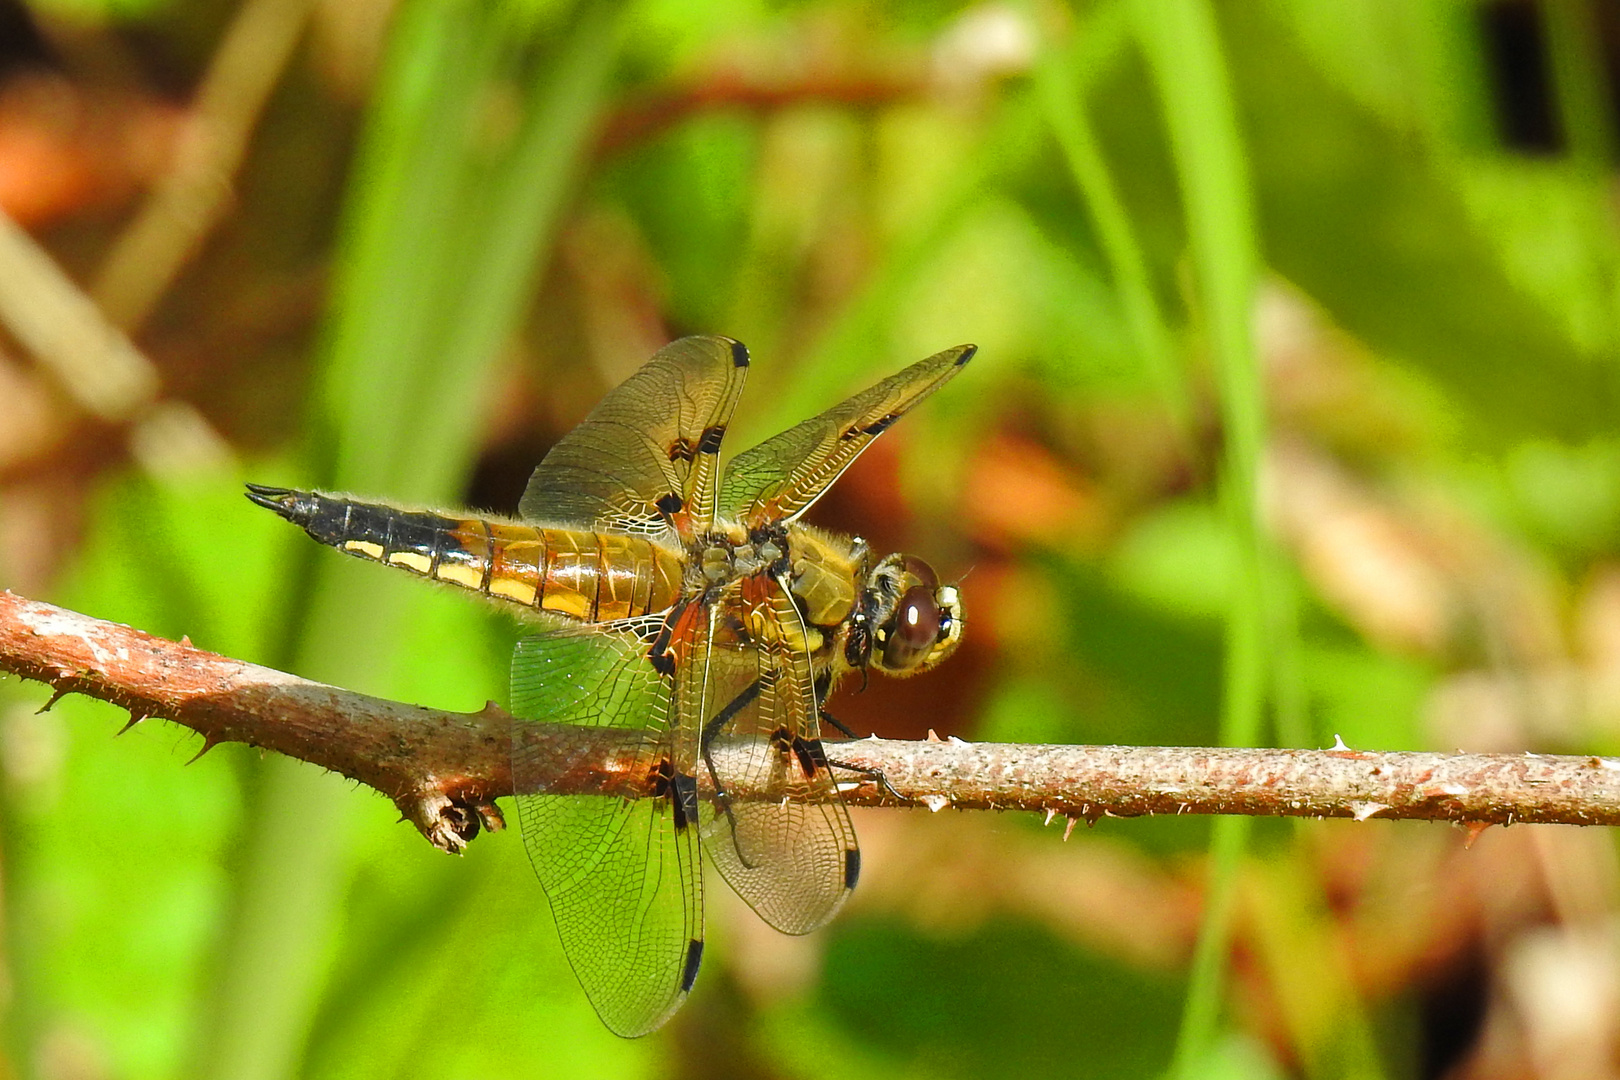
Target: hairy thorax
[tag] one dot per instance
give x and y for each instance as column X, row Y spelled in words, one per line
column 823, row 571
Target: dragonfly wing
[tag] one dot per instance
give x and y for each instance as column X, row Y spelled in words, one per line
column 794, row 857
column 781, row 477
column 647, row 457
column 624, row 876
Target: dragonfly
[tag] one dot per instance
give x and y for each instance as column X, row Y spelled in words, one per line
column 691, row 604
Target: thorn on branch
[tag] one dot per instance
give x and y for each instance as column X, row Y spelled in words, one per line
column 1361, row 811
column 135, row 718
column 57, row 694
column 209, row 742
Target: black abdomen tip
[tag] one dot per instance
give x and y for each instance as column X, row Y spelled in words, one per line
column 296, row 506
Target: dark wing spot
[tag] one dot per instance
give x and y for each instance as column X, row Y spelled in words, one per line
column 682, row 450
column 709, row 441
column 739, row 354
column 658, row 653
column 967, row 354
column 669, row 504
column 670, row 783
column 876, row 427
column 684, row 800
column 694, row 957
column 852, row 867
column 738, row 630
column 812, row 758
column 660, row 775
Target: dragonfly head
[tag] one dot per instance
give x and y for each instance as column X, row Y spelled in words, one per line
column 906, row 620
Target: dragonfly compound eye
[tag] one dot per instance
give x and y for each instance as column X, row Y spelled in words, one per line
column 915, row 629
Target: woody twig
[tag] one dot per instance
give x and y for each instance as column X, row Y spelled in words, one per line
column 446, row 769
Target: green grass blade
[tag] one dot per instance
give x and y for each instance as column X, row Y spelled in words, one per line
column 1064, row 109
column 843, row 355
column 1184, row 54
column 520, row 219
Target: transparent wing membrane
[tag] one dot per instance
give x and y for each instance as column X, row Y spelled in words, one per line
column 647, row 457
column 781, row 477
column 794, row 860
column 623, row 875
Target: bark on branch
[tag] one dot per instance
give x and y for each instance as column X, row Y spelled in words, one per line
column 445, row 769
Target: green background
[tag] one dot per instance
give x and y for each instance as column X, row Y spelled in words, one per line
column 1293, row 417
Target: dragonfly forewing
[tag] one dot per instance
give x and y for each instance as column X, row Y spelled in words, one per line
column 646, row 460
column 783, row 476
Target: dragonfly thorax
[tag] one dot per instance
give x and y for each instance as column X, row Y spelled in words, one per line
column 728, row 554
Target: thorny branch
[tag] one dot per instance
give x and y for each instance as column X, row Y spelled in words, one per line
column 445, row 769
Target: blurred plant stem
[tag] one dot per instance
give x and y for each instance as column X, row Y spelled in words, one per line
column 1011, row 135
column 91, row 359
column 94, row 362
column 1184, row 53
column 1064, row 107
column 195, row 192
column 455, row 202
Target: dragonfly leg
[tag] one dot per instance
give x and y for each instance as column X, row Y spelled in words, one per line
column 871, row 774
column 706, row 746
column 823, row 688
column 727, row 714
column 839, row 724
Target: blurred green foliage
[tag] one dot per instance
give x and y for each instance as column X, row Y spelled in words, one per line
column 847, row 187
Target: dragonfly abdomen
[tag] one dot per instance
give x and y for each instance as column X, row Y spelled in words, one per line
column 589, row 576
